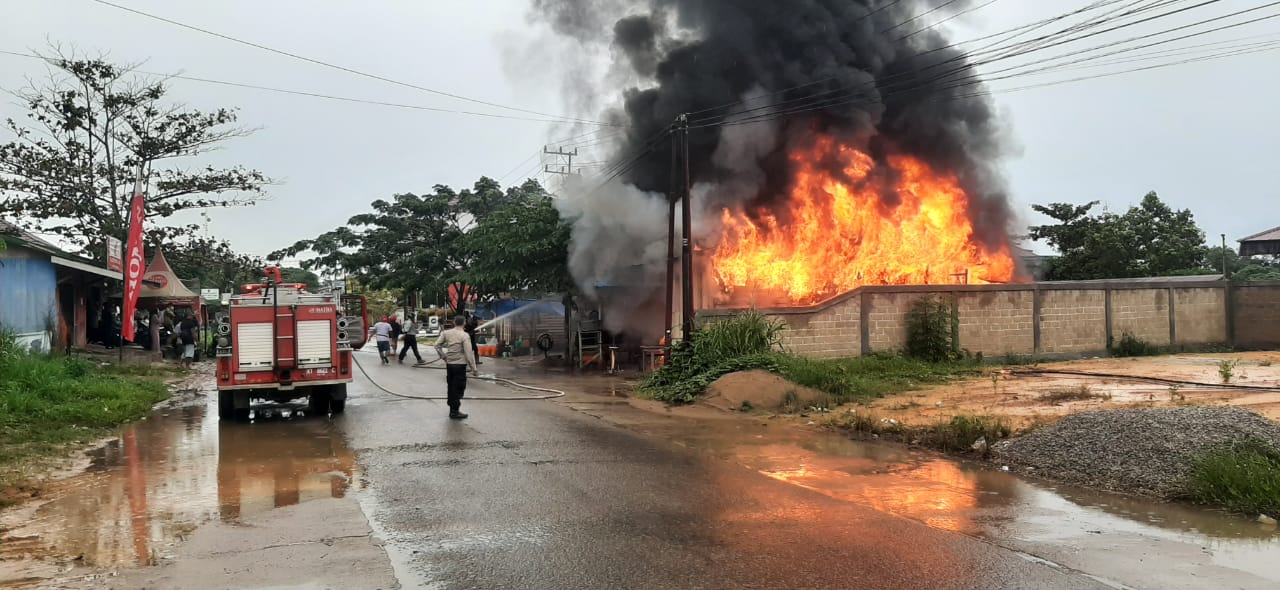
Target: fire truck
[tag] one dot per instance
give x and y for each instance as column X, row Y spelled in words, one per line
column 279, row 343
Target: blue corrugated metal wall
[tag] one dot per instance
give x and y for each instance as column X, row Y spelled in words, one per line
column 28, row 294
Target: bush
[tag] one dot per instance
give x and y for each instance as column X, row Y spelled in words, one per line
column 1244, row 478
column 737, row 343
column 931, row 331
column 1131, row 345
column 752, row 341
column 47, row 401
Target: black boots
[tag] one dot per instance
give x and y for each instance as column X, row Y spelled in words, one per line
column 457, row 416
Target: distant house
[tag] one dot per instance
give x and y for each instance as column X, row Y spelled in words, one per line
column 1035, row 265
column 49, row 298
column 1266, row 243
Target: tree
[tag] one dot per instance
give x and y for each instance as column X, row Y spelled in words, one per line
column 92, row 127
column 1151, row 239
column 521, row 246
column 207, row 262
column 291, row 274
column 494, row 241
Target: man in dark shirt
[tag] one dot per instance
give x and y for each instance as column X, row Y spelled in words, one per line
column 187, row 330
column 396, row 330
column 470, row 328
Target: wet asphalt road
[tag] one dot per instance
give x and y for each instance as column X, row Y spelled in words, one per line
column 536, row 495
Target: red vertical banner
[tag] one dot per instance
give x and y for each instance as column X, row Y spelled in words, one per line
column 134, row 264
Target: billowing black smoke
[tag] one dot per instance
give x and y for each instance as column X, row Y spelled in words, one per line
column 847, row 68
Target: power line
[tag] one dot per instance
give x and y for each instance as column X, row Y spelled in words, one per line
column 330, row 96
column 338, row 67
column 842, row 95
column 918, row 16
column 958, row 14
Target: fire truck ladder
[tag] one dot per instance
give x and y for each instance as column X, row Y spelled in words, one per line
column 284, row 335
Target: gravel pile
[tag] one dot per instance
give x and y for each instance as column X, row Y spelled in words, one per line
column 1144, row 451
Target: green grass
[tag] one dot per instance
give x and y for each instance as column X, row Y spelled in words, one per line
column 956, row 434
column 1244, row 478
column 752, row 341
column 49, row 402
column 860, row 379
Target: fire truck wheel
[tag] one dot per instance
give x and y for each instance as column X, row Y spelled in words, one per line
column 338, row 398
column 226, row 405
column 318, row 401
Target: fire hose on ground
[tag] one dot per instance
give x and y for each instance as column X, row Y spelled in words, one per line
column 549, row 393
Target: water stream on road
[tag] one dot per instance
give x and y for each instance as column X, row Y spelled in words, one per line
column 182, row 467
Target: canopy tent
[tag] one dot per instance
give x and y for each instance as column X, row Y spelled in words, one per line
column 162, row 288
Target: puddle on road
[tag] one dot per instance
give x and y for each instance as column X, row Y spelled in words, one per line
column 166, row 475
column 978, row 500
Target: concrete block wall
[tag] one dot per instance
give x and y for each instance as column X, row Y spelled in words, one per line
column 1256, row 316
column 997, row 322
column 1143, row 312
column 887, row 318
column 1073, row 321
column 1047, row 318
column 1199, row 315
column 830, row 332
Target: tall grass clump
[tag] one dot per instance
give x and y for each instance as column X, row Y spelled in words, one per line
column 1243, row 478
column 931, row 331
column 737, row 343
column 49, row 401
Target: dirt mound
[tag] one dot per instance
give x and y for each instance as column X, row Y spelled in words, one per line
column 1146, row 451
column 762, row 390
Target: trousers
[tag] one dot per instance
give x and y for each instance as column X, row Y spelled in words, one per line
column 410, row 341
column 456, row 379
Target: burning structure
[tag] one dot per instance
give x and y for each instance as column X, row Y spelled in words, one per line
column 830, row 144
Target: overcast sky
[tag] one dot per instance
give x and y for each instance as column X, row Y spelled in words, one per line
column 1203, row 135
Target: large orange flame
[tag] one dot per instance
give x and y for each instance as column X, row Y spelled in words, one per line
column 840, row 234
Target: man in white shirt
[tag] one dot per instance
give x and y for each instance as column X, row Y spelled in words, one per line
column 382, row 331
column 410, row 340
column 454, row 346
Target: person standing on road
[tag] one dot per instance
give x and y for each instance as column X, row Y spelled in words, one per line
column 382, row 332
column 410, row 340
column 396, row 331
column 472, row 325
column 454, row 346
column 187, row 330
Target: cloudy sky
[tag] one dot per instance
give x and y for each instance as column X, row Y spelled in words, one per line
column 1201, row 134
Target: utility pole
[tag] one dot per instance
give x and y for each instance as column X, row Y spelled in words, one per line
column 686, row 229
column 1226, row 274
column 560, row 151
column 672, row 195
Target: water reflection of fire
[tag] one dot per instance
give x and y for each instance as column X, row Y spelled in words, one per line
column 937, row 493
column 901, row 223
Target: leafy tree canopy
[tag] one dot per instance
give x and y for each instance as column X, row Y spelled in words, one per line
column 494, row 240
column 90, row 127
column 1150, row 239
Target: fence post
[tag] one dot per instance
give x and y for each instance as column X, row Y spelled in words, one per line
column 1035, row 320
column 864, row 322
column 1229, row 306
column 1106, row 307
column 1173, row 323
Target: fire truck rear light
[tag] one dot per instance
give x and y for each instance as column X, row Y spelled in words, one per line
column 223, row 342
column 342, row 334
column 224, row 329
column 342, row 323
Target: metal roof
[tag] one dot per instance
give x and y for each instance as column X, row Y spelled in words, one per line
column 1267, row 242
column 29, row 239
column 1271, row 234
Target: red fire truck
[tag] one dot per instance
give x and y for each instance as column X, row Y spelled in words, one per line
column 277, row 342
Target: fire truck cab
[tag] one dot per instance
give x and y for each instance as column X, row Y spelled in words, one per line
column 277, row 342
